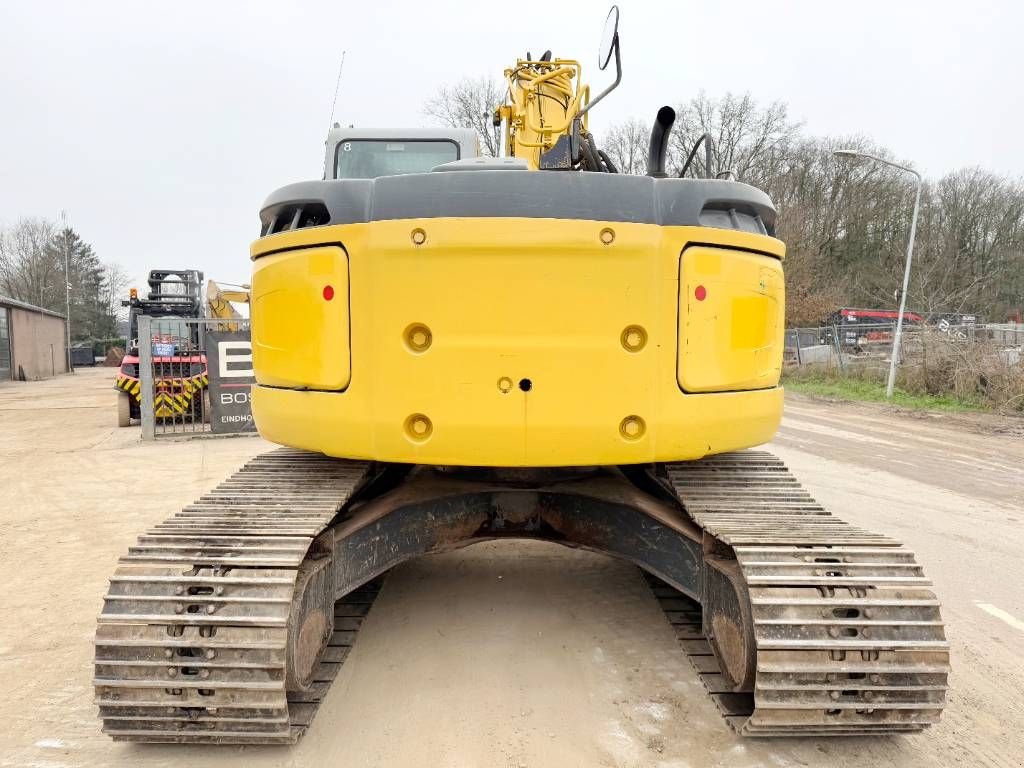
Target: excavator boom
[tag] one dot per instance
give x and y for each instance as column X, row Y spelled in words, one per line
column 220, row 302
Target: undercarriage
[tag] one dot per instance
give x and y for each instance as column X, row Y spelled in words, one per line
column 227, row 622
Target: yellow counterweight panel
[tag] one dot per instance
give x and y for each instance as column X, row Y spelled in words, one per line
column 731, row 320
column 302, row 302
column 497, row 342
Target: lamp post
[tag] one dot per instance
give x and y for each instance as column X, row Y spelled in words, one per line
column 910, row 255
column 67, row 288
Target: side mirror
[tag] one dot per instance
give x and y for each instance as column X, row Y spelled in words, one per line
column 609, row 38
column 609, row 45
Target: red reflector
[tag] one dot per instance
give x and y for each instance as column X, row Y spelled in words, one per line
column 700, row 293
column 328, row 292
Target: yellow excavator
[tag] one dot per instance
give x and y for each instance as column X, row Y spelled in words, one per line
column 221, row 301
column 455, row 348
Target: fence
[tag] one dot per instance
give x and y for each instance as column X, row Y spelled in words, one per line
column 838, row 346
column 195, row 376
column 869, row 345
column 982, row 365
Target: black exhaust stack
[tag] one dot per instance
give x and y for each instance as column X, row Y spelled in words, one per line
column 659, row 142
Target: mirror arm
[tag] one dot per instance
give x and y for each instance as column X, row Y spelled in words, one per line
column 610, row 88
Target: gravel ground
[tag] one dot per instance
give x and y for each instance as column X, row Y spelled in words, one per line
column 505, row 654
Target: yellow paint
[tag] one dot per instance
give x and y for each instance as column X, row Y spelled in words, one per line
column 134, row 387
column 302, row 339
column 507, row 300
column 733, row 338
column 544, row 99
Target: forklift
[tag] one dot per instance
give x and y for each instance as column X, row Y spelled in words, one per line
column 180, row 370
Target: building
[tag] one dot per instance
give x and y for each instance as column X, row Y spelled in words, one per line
column 32, row 341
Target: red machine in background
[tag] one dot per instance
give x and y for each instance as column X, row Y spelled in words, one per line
column 179, row 362
column 858, row 330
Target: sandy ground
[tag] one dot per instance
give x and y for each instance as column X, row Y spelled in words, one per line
column 504, row 654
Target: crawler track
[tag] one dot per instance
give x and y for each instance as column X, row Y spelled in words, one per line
column 192, row 642
column 217, row 627
column 848, row 638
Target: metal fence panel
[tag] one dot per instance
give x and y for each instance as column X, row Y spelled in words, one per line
column 175, row 375
column 869, row 346
column 146, row 377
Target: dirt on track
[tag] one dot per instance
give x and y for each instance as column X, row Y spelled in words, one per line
column 503, row 654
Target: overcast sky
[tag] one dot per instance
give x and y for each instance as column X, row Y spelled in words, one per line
column 161, row 127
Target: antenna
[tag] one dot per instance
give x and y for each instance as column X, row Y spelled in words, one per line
column 337, row 85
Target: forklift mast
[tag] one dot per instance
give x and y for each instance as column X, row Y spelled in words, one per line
column 172, row 293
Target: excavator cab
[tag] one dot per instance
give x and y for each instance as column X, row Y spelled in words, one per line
column 365, row 153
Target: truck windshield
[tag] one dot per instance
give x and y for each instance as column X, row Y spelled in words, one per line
column 370, row 158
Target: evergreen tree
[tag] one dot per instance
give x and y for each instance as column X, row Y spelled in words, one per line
column 90, row 313
column 38, row 259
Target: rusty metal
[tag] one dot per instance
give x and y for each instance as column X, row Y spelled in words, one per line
column 218, row 625
column 727, row 622
column 227, row 622
column 848, row 638
column 430, row 511
column 196, row 641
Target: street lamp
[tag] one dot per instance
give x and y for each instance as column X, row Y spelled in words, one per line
column 910, row 255
column 67, row 288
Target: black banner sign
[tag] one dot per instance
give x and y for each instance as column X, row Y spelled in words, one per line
column 229, row 362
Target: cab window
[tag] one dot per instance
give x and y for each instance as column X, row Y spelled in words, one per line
column 370, row 158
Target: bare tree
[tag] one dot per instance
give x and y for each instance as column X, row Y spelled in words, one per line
column 116, row 282
column 626, row 144
column 470, row 103
column 28, row 270
column 40, row 261
column 845, row 224
column 972, row 249
column 747, row 138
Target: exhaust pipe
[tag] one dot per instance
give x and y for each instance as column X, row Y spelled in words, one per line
column 659, row 142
